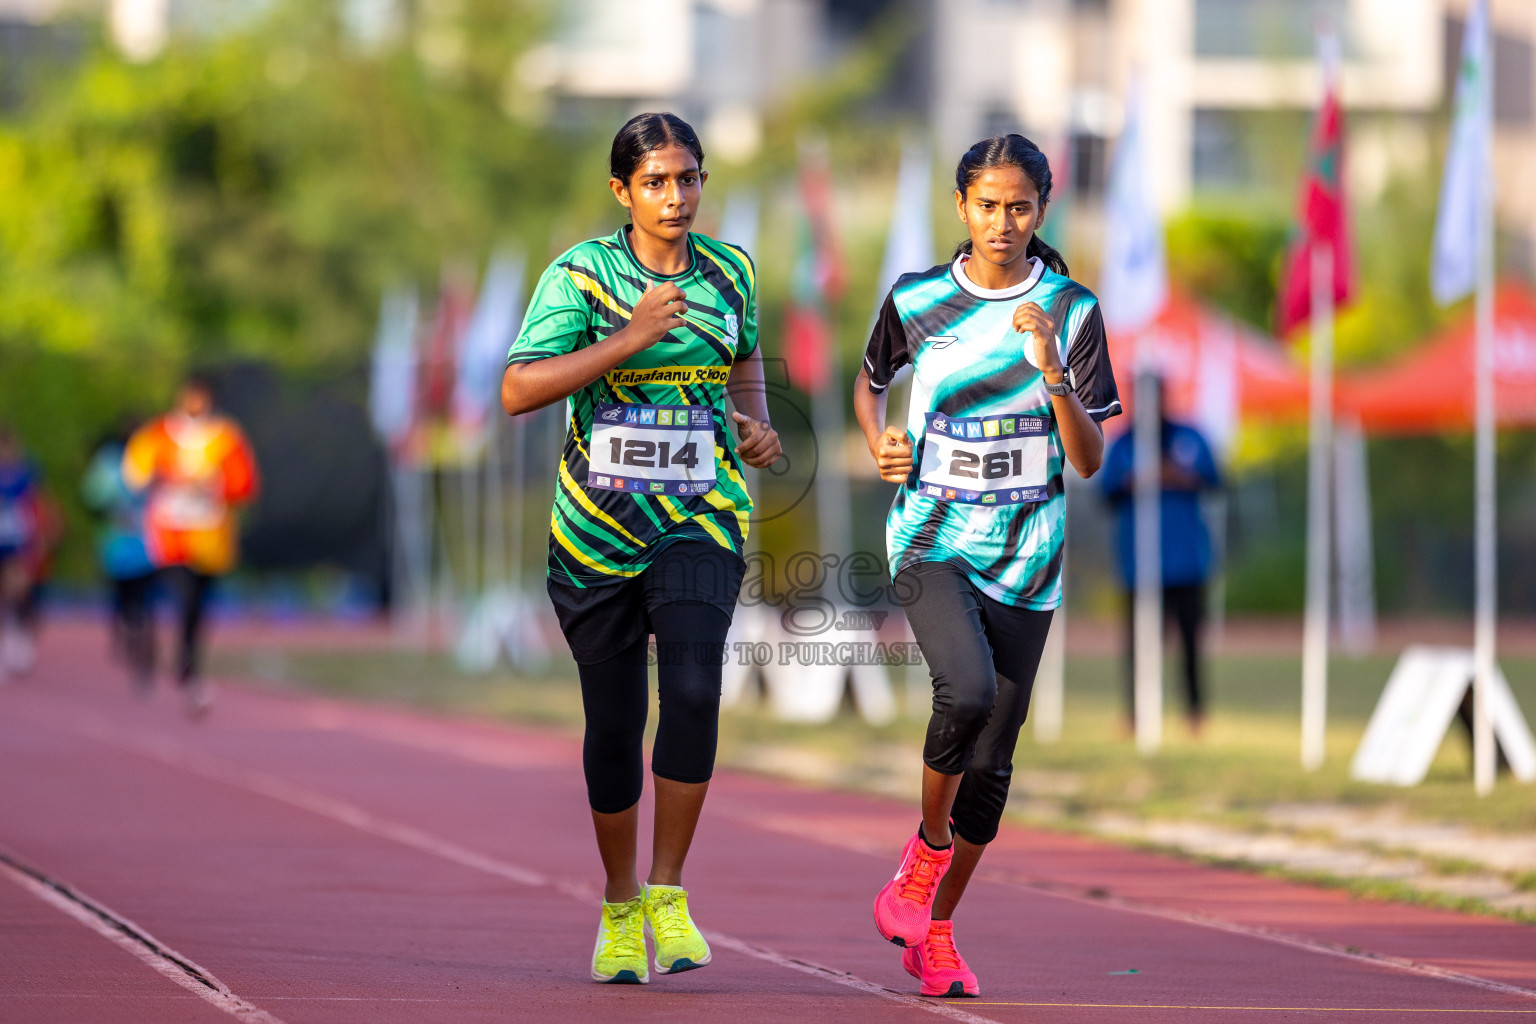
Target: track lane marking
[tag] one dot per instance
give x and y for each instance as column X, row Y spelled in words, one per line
column 125, row 934
column 342, row 812
column 1257, row 1009
column 788, row 825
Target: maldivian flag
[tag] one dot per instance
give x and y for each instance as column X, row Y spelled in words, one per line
column 817, row 280
column 1468, row 183
column 1322, row 216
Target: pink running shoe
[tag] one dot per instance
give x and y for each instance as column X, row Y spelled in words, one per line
column 938, row 964
column 904, row 907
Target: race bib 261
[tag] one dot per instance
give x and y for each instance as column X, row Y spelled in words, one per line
column 985, row 460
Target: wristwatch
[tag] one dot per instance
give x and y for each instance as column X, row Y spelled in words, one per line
column 1066, row 387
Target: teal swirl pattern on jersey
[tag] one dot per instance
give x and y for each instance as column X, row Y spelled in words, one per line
column 968, row 362
column 600, row 536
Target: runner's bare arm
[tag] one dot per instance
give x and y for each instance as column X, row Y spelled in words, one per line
column 889, row 446
column 536, row 383
column 1082, row 439
column 759, row 446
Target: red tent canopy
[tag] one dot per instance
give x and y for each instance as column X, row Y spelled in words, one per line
column 1430, row 389
column 1215, row 370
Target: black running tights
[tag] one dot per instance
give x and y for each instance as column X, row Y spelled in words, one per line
column 982, row 655
column 690, row 645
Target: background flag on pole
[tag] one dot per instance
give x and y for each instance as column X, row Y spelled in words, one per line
column 392, row 384
column 1322, row 215
column 909, row 246
column 1453, row 265
column 1133, row 285
column 817, row 280
column 483, row 353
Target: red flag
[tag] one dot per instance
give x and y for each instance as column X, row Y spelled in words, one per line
column 1322, row 214
column 817, row 281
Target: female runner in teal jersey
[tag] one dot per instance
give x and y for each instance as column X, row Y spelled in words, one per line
column 645, row 331
column 1010, row 377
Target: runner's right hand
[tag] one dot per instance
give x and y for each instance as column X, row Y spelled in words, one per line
column 658, row 312
column 893, row 454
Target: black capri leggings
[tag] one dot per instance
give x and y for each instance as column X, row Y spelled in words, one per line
column 685, row 597
column 982, row 655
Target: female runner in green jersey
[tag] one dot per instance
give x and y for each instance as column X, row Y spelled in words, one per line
column 644, row 332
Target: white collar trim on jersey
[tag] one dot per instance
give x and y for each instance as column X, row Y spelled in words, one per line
column 957, row 269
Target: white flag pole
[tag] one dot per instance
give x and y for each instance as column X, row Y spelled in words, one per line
column 1147, row 627
column 1314, row 654
column 1485, row 628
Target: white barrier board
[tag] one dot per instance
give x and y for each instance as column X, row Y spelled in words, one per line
column 1417, row 707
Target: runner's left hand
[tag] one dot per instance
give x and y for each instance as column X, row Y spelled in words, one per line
column 759, row 446
column 1030, row 318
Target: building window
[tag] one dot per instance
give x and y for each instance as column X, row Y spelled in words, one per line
column 1089, row 165
column 1263, row 28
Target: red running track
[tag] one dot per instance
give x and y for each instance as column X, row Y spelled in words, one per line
column 296, row 860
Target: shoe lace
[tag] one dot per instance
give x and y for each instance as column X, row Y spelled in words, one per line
column 624, row 936
column 667, row 918
column 941, row 951
column 919, row 883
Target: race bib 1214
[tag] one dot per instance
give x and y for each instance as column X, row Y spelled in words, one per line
column 652, row 449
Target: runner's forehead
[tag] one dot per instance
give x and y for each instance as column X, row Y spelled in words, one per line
column 1005, row 186
column 667, row 162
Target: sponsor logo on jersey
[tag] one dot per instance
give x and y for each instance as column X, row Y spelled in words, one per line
column 647, row 416
column 682, row 488
column 941, row 340
column 989, row 428
column 972, row 495
column 658, row 487
column 701, row 417
column 1013, row 495
column 1008, row 425
column 612, row 415
column 732, row 327
column 664, row 417
column 603, row 481
column 957, row 429
column 949, row 493
column 939, row 423
column 669, row 375
column 937, row 492
column 973, row 429
column 631, row 415
column 989, row 499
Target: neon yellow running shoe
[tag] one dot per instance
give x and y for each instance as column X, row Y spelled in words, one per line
column 620, row 954
column 679, row 946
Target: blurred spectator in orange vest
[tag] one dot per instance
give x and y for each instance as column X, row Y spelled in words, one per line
column 197, row 468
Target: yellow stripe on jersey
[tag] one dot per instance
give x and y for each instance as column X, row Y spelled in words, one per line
column 568, row 544
column 591, row 287
column 576, row 491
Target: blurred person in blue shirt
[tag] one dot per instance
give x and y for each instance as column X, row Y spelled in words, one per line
column 124, row 558
column 29, row 528
column 1188, row 470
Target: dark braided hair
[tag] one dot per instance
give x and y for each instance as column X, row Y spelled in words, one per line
column 646, row 133
column 1011, row 151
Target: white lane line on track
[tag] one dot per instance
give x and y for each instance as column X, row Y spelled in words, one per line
column 792, row 827
column 345, row 813
column 124, row 933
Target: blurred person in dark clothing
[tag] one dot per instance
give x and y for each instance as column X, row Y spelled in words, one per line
column 29, row 528
column 124, row 558
column 1188, row 470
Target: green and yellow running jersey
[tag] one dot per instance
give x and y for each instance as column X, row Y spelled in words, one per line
column 606, row 527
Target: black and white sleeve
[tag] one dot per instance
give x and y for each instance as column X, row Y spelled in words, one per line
column 887, row 349
column 1088, row 356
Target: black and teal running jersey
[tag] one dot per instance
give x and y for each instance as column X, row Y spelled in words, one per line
column 658, row 418
column 985, row 491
